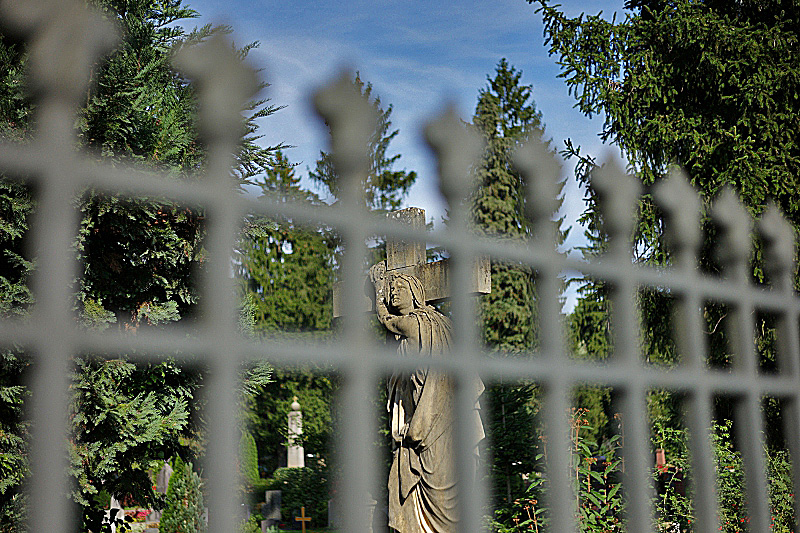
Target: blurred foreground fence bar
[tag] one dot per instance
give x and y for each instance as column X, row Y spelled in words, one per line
column 66, row 40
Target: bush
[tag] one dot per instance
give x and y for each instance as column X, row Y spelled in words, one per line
column 184, row 510
column 302, row 487
column 248, row 459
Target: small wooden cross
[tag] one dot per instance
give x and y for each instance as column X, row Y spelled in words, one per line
column 409, row 258
column 303, row 519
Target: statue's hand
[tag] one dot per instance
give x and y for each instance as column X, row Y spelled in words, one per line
column 377, row 273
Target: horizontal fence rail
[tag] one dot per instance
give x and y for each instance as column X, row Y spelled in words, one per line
column 62, row 52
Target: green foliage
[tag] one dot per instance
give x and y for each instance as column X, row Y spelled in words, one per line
column 13, row 434
column 512, row 428
column 251, row 525
column 287, row 268
column 184, row 509
column 711, row 86
column 599, row 502
column 506, row 117
column 16, row 206
column 307, row 487
column 248, row 458
column 596, row 469
column 384, row 188
column 123, row 415
column 269, row 409
column 140, row 256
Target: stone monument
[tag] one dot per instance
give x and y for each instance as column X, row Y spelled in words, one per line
column 295, row 456
column 409, row 258
column 423, row 487
column 422, row 482
column 271, row 510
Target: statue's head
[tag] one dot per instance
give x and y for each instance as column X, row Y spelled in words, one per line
column 407, row 293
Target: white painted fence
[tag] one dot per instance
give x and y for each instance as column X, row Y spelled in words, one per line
column 65, row 39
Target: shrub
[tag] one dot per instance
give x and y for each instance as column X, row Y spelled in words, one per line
column 184, row 509
column 302, row 487
column 248, row 459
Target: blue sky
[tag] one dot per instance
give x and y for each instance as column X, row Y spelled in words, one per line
column 418, row 55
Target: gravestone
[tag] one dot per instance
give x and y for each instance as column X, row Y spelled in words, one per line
column 271, row 510
column 295, row 455
column 334, row 518
column 162, row 483
column 404, row 257
column 115, row 512
column 162, row 479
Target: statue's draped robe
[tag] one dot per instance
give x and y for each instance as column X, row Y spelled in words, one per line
column 422, row 483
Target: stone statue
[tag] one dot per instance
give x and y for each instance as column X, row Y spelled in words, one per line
column 423, row 488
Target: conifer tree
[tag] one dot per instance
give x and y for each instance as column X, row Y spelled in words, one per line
column 248, row 458
column 139, row 256
column 184, row 510
column 384, row 188
column 287, row 268
column 507, row 118
column 710, row 86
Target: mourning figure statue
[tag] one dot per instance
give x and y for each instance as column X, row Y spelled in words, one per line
column 423, row 487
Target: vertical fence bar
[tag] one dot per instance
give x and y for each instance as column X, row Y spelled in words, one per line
column 225, row 84
column 541, row 173
column 681, row 206
column 53, row 230
column 698, row 412
column 457, row 150
column 352, row 120
column 749, row 423
column 791, row 346
column 618, row 197
column 61, row 53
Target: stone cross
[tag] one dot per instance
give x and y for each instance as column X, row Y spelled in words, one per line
column 409, row 258
column 303, row 519
column 295, row 455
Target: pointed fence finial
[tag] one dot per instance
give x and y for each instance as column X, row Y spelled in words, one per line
column 225, row 85
column 458, row 149
column 65, row 39
column 779, row 246
column 681, row 205
column 735, row 225
column 541, row 172
column 352, row 120
column 618, row 200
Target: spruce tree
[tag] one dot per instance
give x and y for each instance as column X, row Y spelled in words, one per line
column 712, row 87
column 507, row 118
column 709, row 86
column 384, row 188
column 287, row 268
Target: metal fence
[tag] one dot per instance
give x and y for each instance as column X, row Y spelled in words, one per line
column 64, row 39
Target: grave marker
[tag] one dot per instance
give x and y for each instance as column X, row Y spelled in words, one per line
column 295, row 454
column 409, row 258
column 303, row 519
